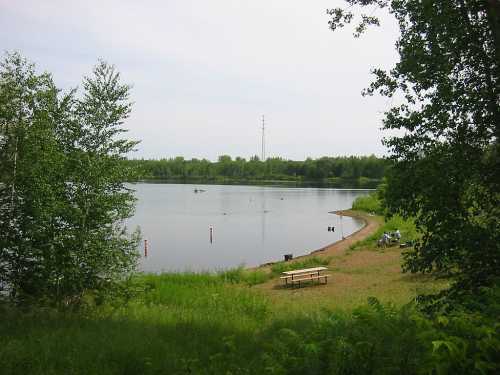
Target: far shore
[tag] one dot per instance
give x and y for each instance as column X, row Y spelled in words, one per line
column 337, row 183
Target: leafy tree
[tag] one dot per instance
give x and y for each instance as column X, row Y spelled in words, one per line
column 30, row 205
column 100, row 200
column 446, row 163
column 225, row 166
column 62, row 193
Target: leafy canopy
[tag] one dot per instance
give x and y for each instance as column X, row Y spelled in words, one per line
column 62, row 194
column 446, row 159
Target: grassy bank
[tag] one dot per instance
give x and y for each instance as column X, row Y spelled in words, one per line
column 204, row 324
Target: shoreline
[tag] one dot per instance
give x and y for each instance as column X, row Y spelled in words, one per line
column 338, row 247
column 347, row 184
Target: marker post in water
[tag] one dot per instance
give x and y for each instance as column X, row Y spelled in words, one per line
column 341, row 228
column 145, row 248
column 211, row 234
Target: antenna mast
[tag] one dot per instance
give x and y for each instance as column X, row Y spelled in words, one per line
column 263, row 158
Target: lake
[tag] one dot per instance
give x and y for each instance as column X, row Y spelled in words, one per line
column 250, row 225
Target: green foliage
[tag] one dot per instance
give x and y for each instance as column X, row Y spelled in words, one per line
column 364, row 171
column 62, row 193
column 372, row 339
column 309, row 262
column 467, row 340
column 191, row 324
column 368, row 203
column 446, row 156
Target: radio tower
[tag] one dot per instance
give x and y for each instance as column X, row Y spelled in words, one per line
column 263, row 139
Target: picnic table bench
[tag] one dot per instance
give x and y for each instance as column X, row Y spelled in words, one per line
column 296, row 277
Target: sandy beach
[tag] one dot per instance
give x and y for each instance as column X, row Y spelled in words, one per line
column 340, row 247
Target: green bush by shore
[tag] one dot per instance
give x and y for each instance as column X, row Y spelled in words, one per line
column 368, row 203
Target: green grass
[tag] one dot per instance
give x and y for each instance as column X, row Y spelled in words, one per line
column 214, row 296
column 176, row 323
column 199, row 325
column 279, row 267
column 241, row 275
column 202, row 323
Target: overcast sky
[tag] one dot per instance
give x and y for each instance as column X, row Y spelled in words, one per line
column 204, row 72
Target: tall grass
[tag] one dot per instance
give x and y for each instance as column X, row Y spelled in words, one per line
column 176, row 323
column 241, row 275
column 202, row 295
column 165, row 338
column 309, row 262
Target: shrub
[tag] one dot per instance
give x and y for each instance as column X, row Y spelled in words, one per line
column 368, row 203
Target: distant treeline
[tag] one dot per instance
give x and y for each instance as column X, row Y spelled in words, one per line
column 352, row 171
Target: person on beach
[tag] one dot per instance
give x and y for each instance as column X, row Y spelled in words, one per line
column 385, row 240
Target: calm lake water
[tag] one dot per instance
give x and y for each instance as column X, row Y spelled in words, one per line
column 251, row 224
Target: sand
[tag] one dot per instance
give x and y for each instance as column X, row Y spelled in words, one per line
column 372, row 223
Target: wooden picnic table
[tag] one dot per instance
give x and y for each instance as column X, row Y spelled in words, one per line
column 305, row 274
